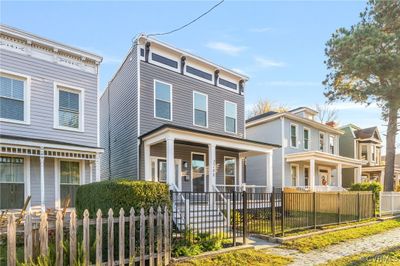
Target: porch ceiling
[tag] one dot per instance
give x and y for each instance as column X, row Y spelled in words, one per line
column 323, row 158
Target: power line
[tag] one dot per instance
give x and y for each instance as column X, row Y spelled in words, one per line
column 187, row 24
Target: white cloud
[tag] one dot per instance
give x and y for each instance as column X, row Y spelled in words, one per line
column 291, row 83
column 265, row 62
column 226, row 48
column 259, row 30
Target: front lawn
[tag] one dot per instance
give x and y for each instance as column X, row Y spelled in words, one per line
column 324, row 240
column 385, row 257
column 239, row 258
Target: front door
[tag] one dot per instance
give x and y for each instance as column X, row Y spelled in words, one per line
column 324, row 175
column 198, row 172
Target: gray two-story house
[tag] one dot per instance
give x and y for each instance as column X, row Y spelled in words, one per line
column 49, row 135
column 171, row 116
column 309, row 154
column 364, row 144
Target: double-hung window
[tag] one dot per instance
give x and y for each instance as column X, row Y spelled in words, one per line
column 69, row 108
column 230, row 117
column 321, row 142
column 332, row 144
column 11, row 182
column 230, row 172
column 200, row 109
column 69, row 181
column 14, row 102
column 162, row 100
column 293, row 136
column 306, row 136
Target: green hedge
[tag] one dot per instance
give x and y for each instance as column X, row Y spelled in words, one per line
column 121, row 193
column 375, row 187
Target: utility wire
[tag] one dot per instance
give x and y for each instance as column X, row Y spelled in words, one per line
column 187, row 24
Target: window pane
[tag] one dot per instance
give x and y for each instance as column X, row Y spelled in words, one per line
column 11, row 196
column 162, row 170
column 69, row 101
column 163, row 109
column 68, row 119
column 163, row 91
column 69, row 172
column 5, row 87
column 200, row 102
column 230, row 167
column 200, row 118
column 230, row 109
column 68, row 191
column 11, row 109
column 18, row 89
column 11, row 170
column 230, row 124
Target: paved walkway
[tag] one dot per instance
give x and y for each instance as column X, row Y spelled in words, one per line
column 370, row 243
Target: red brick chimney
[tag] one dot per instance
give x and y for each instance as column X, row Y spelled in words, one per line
column 331, row 124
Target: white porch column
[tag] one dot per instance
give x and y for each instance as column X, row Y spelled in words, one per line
column 97, row 166
column 312, row 174
column 147, row 163
column 269, row 173
column 212, row 180
column 91, row 172
column 339, row 175
column 42, row 178
column 170, row 161
column 240, row 170
column 358, row 175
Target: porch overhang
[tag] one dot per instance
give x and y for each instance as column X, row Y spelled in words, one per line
column 378, row 168
column 323, row 157
column 244, row 146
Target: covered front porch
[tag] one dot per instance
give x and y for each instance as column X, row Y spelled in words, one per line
column 197, row 161
column 319, row 171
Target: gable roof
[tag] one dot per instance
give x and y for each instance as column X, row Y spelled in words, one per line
column 303, row 108
column 367, row 133
column 261, row 116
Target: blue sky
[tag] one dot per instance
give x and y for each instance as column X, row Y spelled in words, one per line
column 279, row 45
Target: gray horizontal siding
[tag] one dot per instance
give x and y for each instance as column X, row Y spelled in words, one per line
column 182, row 95
column 118, row 123
column 43, row 75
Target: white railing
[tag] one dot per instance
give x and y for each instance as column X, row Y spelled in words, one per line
column 319, row 188
column 389, row 203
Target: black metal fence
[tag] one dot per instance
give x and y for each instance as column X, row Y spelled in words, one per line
column 230, row 215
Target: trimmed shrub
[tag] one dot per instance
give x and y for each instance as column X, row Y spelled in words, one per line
column 121, row 193
column 375, row 187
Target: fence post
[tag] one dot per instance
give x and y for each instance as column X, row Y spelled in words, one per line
column 187, row 215
column 339, row 203
column 373, row 204
column 132, row 231
column 244, row 217
column 392, row 202
column 59, row 239
column 283, row 212
column 86, row 238
column 43, row 234
column 273, row 214
column 315, row 209
column 99, row 238
column 167, row 236
column 110, row 242
column 72, row 238
column 28, row 238
column 142, row 237
column 359, row 206
column 234, row 217
column 11, row 241
column 151, row 236
column 121, row 237
column 159, row 236
column 228, row 212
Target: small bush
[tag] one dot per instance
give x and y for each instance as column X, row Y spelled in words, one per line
column 196, row 244
column 121, row 193
column 375, row 187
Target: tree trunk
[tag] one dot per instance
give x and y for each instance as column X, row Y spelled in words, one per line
column 390, row 148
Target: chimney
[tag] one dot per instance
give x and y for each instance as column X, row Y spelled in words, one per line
column 331, row 124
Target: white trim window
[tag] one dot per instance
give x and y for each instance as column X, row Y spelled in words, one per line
column 230, row 117
column 293, row 135
column 321, row 141
column 332, row 144
column 12, row 182
column 70, row 179
column 306, row 175
column 229, row 173
column 14, row 97
column 373, row 153
column 162, row 100
column 200, row 109
column 364, row 152
column 306, row 138
column 294, row 174
column 68, row 107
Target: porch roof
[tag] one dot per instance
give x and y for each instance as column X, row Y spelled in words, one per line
column 330, row 159
column 205, row 137
column 378, row 168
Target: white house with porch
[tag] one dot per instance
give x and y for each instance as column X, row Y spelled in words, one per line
column 309, row 155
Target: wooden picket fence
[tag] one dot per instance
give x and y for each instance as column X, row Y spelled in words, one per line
column 149, row 238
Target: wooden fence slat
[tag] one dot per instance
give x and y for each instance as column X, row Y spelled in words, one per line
column 166, row 236
column 86, row 240
column 121, row 237
column 142, row 237
column 159, row 236
column 99, row 238
column 43, row 234
column 72, row 238
column 132, row 231
column 11, row 241
column 151, row 236
column 110, row 241
column 59, row 238
column 28, row 238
